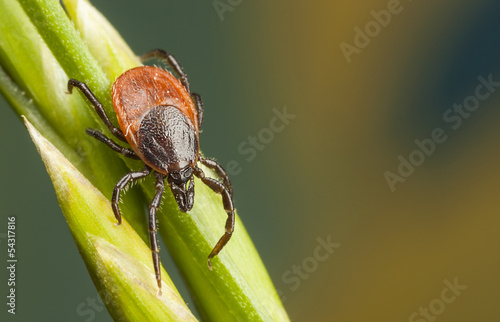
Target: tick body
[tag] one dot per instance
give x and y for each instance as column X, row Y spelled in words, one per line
column 160, row 119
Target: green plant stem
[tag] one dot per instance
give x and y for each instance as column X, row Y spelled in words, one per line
column 30, row 64
column 117, row 259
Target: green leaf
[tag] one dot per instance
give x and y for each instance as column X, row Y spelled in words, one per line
column 239, row 286
column 115, row 56
column 117, row 259
column 35, row 84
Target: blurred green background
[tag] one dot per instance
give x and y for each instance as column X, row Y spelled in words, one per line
column 365, row 80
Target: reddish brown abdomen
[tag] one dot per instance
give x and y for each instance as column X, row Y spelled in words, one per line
column 140, row 89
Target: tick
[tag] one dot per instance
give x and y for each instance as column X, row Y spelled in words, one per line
column 160, row 118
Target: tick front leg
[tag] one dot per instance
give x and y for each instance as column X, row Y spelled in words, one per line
column 97, row 105
column 112, row 144
column 153, row 207
column 227, row 201
column 122, row 184
column 219, row 170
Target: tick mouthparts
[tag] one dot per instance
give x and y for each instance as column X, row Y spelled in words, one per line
column 180, row 198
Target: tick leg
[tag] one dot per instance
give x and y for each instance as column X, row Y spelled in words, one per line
column 112, row 144
column 97, row 105
column 227, row 200
column 170, row 59
column 122, row 184
column 219, row 170
column 199, row 108
column 153, row 207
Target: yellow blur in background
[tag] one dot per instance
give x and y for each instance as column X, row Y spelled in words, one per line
column 413, row 240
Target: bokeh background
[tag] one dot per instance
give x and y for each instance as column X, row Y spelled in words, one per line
column 323, row 177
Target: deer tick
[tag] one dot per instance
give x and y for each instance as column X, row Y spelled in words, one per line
column 160, row 118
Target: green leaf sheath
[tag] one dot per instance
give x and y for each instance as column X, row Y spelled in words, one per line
column 41, row 80
column 118, row 261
